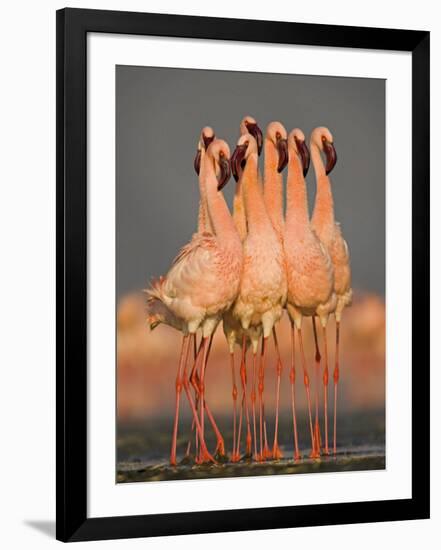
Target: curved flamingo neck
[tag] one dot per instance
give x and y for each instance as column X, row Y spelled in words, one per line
column 217, row 208
column 324, row 203
column 273, row 187
column 204, row 223
column 256, row 212
column 297, row 213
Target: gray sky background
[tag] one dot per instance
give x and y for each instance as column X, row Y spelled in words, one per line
column 159, row 115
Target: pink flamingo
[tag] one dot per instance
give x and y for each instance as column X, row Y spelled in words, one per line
column 329, row 233
column 276, row 158
column 203, row 282
column 309, row 268
column 262, row 294
column 207, row 135
column 232, row 328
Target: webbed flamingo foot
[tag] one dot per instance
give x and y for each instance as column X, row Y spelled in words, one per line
column 277, row 453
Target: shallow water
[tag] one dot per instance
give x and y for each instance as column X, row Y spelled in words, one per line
column 143, row 450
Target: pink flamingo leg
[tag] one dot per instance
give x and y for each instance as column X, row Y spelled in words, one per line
column 182, row 359
column 203, row 457
column 292, row 378
column 325, row 385
column 264, row 449
column 253, row 403
column 277, row 453
column 234, row 394
column 243, row 377
column 318, row 358
column 336, row 378
column 314, row 453
column 220, row 446
column 260, row 390
column 204, row 451
column 239, row 431
column 194, row 381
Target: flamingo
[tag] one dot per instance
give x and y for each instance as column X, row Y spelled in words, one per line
column 262, row 293
column 276, row 158
column 329, row 233
column 232, row 328
column 309, row 268
column 207, row 135
column 203, row 282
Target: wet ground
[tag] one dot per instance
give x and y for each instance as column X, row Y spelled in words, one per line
column 143, row 450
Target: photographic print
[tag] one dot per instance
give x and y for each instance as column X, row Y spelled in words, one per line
column 230, row 298
column 250, row 258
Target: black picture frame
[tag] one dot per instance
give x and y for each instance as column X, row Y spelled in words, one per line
column 72, row 523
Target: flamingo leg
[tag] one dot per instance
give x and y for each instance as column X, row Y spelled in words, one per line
column 325, row 386
column 292, row 378
column 277, row 453
column 253, row 403
column 264, row 449
column 260, row 390
column 243, row 377
column 318, row 359
column 202, row 387
column 336, row 378
column 220, row 446
column 184, row 348
column 239, row 431
column 314, row 453
column 206, row 456
column 203, row 352
column 234, row 394
column 194, row 381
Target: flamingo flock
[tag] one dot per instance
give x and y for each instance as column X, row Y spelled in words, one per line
column 244, row 269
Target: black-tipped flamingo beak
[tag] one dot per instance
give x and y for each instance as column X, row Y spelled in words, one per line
column 256, row 132
column 305, row 157
column 331, row 155
column 207, row 140
column 225, row 172
column 197, row 162
column 236, row 160
column 282, row 148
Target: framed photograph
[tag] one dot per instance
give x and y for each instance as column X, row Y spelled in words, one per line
column 242, row 274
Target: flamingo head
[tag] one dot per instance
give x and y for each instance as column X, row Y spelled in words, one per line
column 322, row 138
column 296, row 143
column 206, row 137
column 219, row 152
column 245, row 147
column 276, row 134
column 249, row 125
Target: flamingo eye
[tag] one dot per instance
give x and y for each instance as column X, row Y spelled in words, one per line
column 278, row 135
